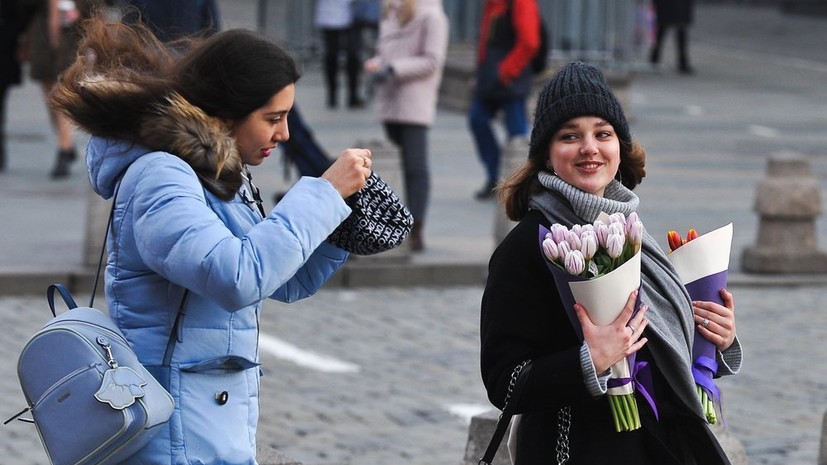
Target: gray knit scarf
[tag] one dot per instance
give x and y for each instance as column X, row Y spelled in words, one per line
column 671, row 325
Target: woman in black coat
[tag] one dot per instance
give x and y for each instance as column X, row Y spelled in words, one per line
column 582, row 162
column 677, row 14
column 14, row 18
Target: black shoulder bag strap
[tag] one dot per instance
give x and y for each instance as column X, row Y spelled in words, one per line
column 179, row 318
column 514, row 387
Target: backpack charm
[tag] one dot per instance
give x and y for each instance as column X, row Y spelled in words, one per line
column 120, row 385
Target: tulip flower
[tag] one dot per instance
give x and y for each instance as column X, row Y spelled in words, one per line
column 588, row 244
column 559, row 232
column 614, row 245
column 636, row 233
column 692, row 234
column 550, row 249
column 674, row 239
column 574, row 240
column 563, row 248
column 602, row 230
column 575, row 263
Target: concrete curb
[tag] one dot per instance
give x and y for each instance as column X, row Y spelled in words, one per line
column 360, row 273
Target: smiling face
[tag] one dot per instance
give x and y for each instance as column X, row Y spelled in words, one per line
column 262, row 130
column 585, row 152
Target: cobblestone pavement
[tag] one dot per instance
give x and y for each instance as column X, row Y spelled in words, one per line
column 415, row 356
column 411, row 354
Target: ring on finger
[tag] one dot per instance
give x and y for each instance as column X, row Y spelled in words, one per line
column 365, row 162
column 632, row 328
column 705, row 323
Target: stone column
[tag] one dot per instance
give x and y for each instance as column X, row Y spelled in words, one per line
column 479, row 435
column 822, row 452
column 513, row 155
column 97, row 220
column 788, row 201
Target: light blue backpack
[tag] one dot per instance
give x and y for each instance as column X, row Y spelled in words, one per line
column 79, row 370
column 92, row 401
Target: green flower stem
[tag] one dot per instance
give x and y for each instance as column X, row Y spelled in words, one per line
column 708, row 406
column 624, row 412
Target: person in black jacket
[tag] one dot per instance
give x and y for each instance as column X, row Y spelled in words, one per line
column 677, row 14
column 15, row 16
column 582, row 161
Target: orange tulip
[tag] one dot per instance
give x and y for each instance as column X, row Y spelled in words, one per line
column 692, row 234
column 674, row 239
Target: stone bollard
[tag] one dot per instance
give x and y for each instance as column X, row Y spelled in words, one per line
column 788, row 201
column 483, row 425
column 97, row 218
column 266, row 455
column 822, row 452
column 513, row 155
column 479, row 435
column 387, row 163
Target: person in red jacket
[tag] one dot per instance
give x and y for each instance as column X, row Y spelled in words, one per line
column 509, row 39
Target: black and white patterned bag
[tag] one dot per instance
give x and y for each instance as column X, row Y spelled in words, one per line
column 379, row 220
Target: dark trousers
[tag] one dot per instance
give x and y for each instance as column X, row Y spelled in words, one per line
column 681, row 43
column 336, row 42
column 4, row 92
column 412, row 140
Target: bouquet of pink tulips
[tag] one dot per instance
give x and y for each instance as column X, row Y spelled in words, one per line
column 598, row 265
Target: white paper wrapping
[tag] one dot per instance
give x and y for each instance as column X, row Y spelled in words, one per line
column 704, row 256
column 604, row 299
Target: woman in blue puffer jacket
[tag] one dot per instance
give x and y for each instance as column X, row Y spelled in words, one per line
column 172, row 142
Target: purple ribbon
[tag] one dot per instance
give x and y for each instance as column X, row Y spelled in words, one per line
column 704, row 366
column 703, row 370
column 642, row 379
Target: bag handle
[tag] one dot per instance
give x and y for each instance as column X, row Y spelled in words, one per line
column 517, row 380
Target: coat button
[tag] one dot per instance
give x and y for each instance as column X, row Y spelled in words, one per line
column 222, row 397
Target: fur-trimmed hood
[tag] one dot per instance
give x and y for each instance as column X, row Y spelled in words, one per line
column 179, row 128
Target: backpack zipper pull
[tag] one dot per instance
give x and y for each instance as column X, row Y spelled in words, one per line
column 108, row 348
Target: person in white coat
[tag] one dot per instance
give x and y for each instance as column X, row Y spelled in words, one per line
column 411, row 50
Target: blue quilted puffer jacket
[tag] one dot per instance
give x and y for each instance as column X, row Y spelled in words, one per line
column 170, row 234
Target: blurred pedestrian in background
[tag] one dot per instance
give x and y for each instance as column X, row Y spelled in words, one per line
column 15, row 16
column 171, row 20
column 678, row 15
column 509, row 38
column 407, row 71
column 52, row 46
column 340, row 35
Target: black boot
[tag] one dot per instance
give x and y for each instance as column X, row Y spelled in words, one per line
column 683, row 52
column 415, row 238
column 64, row 159
column 487, row 191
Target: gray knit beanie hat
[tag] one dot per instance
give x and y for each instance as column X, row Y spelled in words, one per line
column 577, row 89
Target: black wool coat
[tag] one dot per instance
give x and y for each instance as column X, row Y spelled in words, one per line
column 523, row 318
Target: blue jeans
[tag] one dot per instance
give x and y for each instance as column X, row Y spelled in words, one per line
column 479, row 118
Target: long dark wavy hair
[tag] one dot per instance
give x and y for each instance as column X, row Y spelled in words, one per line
column 228, row 75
